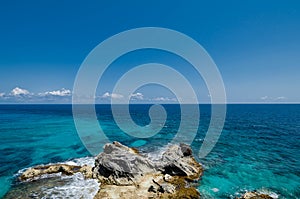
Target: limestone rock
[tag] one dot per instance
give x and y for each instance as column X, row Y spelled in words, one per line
column 178, row 161
column 32, row 173
column 86, row 171
column 121, row 165
column 125, row 173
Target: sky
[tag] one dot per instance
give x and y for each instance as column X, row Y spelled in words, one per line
column 255, row 45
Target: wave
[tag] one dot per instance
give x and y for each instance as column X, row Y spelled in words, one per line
column 62, row 186
column 77, row 188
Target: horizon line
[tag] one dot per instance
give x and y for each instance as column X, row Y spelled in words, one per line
column 229, row 103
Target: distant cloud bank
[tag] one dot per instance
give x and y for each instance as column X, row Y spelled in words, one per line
column 62, row 92
column 63, row 95
column 112, row 95
column 21, row 95
column 272, row 99
column 137, row 96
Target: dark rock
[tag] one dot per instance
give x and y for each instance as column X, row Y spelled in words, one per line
column 186, row 150
column 173, row 170
column 152, row 189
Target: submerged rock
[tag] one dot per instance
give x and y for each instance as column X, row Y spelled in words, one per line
column 124, row 173
column 255, row 195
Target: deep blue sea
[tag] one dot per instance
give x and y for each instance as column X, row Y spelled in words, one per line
column 259, row 148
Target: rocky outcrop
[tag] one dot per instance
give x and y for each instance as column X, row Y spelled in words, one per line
column 32, row 173
column 120, row 165
column 255, row 195
column 124, row 173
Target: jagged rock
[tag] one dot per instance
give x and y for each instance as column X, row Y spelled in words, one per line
column 121, row 165
column 178, row 161
column 125, row 173
column 86, row 171
column 255, row 195
column 32, row 173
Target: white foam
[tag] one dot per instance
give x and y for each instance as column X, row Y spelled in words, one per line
column 198, row 139
column 265, row 191
column 268, row 192
column 157, row 154
column 76, row 162
column 77, row 188
column 215, row 190
column 81, row 161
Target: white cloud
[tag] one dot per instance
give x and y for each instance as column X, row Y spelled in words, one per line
column 21, row 95
column 112, row 95
column 62, row 93
column 137, row 96
column 165, row 99
column 266, row 98
column 19, row 91
column 281, row 98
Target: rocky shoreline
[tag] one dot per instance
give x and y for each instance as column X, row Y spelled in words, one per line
column 123, row 172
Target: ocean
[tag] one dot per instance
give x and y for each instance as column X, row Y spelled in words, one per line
column 257, row 150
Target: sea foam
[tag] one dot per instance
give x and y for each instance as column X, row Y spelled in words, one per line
column 75, row 186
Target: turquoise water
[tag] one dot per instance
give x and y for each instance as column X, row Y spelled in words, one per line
column 258, row 148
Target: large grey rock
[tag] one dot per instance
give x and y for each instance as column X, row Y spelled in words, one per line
column 125, row 173
column 178, row 161
column 121, row 165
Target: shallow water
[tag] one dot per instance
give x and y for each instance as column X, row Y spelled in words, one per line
column 258, row 148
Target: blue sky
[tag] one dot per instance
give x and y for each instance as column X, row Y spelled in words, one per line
column 255, row 44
